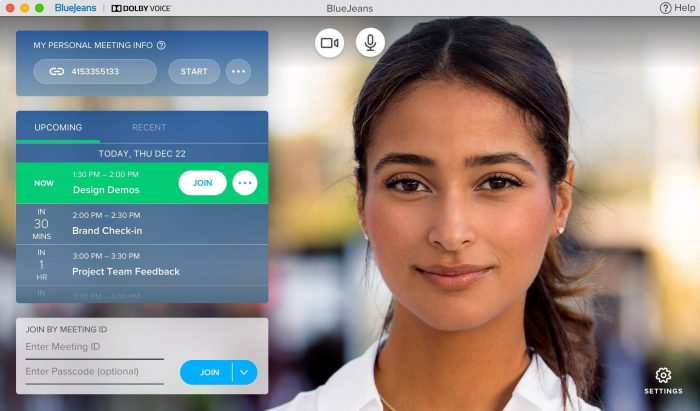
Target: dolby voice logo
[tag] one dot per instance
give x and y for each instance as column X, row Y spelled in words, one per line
column 141, row 8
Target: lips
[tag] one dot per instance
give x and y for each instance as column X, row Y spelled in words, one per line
column 453, row 277
column 452, row 270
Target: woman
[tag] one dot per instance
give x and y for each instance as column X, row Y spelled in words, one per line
column 464, row 185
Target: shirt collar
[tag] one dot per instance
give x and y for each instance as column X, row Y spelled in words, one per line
column 541, row 387
column 352, row 387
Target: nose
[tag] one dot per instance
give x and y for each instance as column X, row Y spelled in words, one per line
column 452, row 226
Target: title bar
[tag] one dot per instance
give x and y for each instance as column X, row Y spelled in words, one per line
column 275, row 8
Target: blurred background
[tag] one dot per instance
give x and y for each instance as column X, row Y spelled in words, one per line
column 634, row 85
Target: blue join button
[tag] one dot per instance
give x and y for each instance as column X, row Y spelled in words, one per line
column 218, row 372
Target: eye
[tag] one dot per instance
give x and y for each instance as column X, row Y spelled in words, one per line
column 499, row 182
column 405, row 184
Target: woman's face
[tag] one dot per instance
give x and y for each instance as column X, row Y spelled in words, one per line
column 458, row 207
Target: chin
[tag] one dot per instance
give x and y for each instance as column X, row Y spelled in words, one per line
column 450, row 319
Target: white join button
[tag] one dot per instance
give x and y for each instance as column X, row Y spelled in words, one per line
column 202, row 183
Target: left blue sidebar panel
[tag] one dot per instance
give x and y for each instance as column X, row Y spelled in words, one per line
column 142, row 206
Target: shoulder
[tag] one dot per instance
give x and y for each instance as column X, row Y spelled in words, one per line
column 350, row 388
column 304, row 401
column 540, row 389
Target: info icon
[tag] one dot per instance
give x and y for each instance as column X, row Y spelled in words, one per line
column 329, row 43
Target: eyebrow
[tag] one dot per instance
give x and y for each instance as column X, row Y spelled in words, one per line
column 404, row 158
column 471, row 161
column 499, row 158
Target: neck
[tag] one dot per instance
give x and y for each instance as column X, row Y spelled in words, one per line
column 421, row 367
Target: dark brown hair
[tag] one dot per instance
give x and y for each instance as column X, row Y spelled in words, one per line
column 511, row 61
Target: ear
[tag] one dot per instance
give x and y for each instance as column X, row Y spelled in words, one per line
column 564, row 199
column 360, row 206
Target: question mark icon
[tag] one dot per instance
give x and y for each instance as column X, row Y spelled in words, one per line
column 160, row 45
column 665, row 7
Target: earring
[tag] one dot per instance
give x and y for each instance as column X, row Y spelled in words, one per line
column 561, row 230
column 365, row 235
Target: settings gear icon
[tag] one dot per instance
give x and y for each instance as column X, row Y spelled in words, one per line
column 663, row 375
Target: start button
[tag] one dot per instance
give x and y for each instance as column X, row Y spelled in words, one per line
column 194, row 71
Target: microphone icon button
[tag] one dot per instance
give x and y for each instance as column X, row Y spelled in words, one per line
column 370, row 42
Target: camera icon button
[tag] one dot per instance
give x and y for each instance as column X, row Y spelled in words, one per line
column 329, row 43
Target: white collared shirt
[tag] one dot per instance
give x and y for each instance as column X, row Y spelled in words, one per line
column 352, row 388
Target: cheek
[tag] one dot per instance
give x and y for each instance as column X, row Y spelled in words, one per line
column 522, row 222
column 520, row 232
column 394, row 229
